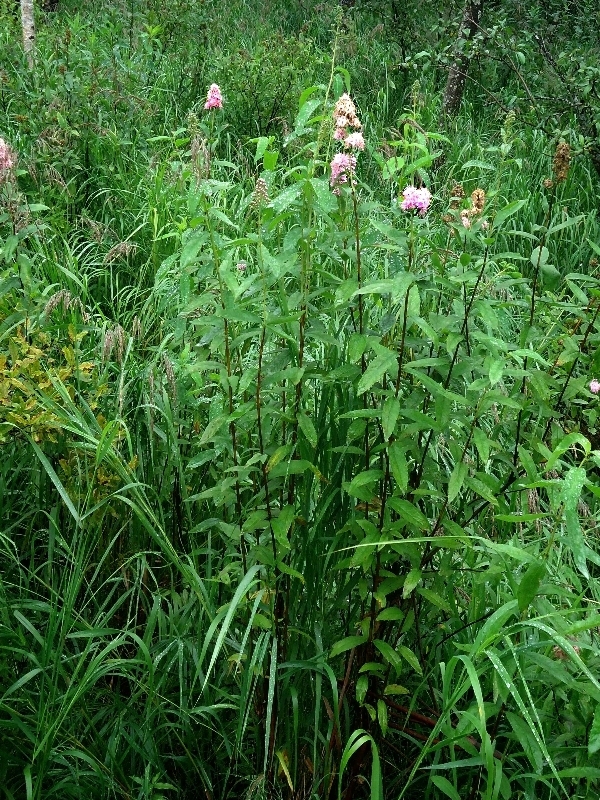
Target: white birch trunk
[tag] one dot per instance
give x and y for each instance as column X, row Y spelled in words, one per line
column 28, row 24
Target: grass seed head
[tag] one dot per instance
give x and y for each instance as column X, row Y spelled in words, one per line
column 562, row 161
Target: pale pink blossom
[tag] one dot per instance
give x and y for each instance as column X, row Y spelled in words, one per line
column 342, row 166
column 340, row 133
column 355, row 141
column 7, row 159
column 594, row 386
column 419, row 199
column 241, row 266
column 465, row 219
column 213, row 99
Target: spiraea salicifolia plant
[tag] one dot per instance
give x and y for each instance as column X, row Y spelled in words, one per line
column 376, row 409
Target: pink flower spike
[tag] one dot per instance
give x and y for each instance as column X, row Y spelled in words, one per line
column 594, row 386
column 213, row 99
column 355, row 141
column 340, row 133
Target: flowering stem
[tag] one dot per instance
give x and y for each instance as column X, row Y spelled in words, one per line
column 358, row 261
column 531, row 317
column 416, row 479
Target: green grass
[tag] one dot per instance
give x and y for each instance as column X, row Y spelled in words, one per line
column 320, row 527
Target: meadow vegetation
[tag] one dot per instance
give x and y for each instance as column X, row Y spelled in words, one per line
column 299, row 436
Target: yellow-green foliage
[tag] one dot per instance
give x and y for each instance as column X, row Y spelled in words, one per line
column 32, row 367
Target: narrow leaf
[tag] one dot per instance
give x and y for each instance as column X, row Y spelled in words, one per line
column 391, row 411
column 347, row 644
column 530, row 583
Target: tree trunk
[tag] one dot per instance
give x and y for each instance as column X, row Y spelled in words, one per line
column 28, row 24
column 455, row 85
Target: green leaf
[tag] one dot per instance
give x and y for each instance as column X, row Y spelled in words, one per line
column 286, row 198
column 412, row 581
column 493, row 627
column 282, row 524
column 325, row 198
column 395, row 688
column 372, row 666
column 307, row 109
column 382, row 716
column 287, row 570
column 594, row 735
column 482, row 489
column 507, row 212
column 573, row 483
column 365, row 478
column 391, row 411
column 562, row 447
column 386, row 361
column 409, row 513
column 357, row 344
column 495, row 371
column 587, row 773
column 56, row 481
column 482, row 443
column 260, row 621
column 436, row 600
column 567, row 224
column 389, row 654
column 575, row 540
column 444, row 785
column 583, row 625
column 530, row 583
column 277, row 456
column 391, row 614
column 106, row 439
column 396, row 287
column 308, row 429
column 261, row 145
column 459, row 473
column 526, row 739
column 270, row 160
column 398, row 465
column 539, row 256
column 409, row 656
column 212, row 428
column 347, row 644
column 551, row 277
column 362, row 686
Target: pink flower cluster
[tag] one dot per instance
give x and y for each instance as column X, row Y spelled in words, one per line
column 354, row 141
column 419, row 199
column 594, row 386
column 342, row 166
column 7, row 158
column 213, row 99
column 344, row 119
